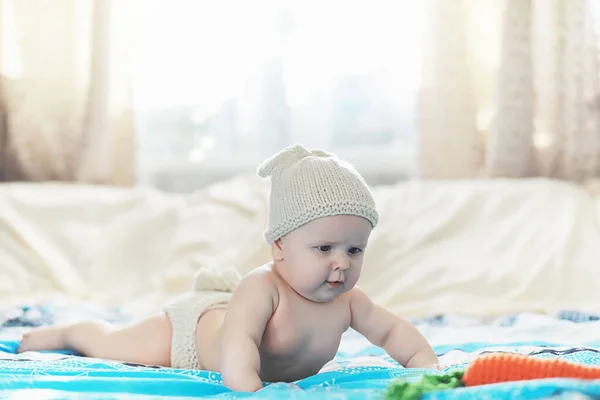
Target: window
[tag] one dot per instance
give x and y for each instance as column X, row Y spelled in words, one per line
column 221, row 85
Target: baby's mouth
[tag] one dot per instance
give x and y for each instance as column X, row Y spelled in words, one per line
column 335, row 284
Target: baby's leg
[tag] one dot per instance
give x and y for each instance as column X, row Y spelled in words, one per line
column 146, row 342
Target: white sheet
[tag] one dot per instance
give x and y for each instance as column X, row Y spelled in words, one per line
column 475, row 247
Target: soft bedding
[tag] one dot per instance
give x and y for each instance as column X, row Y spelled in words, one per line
column 469, row 247
column 360, row 370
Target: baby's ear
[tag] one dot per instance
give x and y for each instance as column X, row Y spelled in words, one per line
column 277, row 250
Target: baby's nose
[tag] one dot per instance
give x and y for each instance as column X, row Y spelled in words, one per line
column 341, row 262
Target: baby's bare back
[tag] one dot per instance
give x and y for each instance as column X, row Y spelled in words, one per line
column 301, row 336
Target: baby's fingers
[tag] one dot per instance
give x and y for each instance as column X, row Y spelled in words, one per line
column 437, row 367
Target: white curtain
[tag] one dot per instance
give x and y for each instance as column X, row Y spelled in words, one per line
column 66, row 105
column 510, row 88
column 435, row 88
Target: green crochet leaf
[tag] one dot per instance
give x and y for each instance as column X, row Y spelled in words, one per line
column 402, row 390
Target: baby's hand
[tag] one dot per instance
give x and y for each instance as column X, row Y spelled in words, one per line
column 437, row 367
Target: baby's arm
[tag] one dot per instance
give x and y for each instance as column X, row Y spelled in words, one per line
column 247, row 315
column 398, row 337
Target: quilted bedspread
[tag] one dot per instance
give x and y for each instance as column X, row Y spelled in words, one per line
column 359, row 371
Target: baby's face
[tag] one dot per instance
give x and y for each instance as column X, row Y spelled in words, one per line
column 323, row 258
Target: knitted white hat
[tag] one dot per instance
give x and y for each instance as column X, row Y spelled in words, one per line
column 306, row 185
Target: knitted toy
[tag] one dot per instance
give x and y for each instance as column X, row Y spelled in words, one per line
column 493, row 368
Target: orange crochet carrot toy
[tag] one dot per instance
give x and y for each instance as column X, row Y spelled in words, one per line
column 493, row 368
column 505, row 367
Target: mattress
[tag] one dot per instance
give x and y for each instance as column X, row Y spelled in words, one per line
column 359, row 371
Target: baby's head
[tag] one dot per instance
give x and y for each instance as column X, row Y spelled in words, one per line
column 321, row 214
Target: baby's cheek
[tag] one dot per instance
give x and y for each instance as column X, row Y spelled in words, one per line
column 308, row 278
column 352, row 277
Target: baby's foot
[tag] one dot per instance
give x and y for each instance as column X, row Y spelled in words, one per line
column 43, row 338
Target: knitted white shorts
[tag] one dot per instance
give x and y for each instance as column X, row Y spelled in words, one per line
column 213, row 288
column 184, row 314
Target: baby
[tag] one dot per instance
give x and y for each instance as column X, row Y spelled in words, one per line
column 283, row 321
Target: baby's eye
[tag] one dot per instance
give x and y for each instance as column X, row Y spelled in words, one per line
column 324, row 249
column 355, row 250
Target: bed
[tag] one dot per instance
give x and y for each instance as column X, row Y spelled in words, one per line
column 479, row 266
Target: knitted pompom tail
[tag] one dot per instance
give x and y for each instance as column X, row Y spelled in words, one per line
column 213, row 278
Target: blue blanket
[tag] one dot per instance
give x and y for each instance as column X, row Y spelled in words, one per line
column 360, row 370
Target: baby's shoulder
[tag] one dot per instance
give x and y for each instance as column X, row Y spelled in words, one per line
column 346, row 298
column 263, row 274
column 260, row 281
